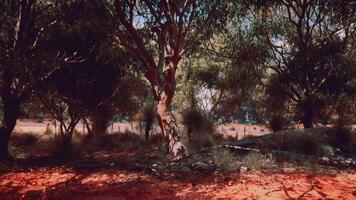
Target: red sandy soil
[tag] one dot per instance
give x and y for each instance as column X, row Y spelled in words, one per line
column 59, row 183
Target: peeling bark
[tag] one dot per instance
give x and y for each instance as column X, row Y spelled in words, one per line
column 176, row 148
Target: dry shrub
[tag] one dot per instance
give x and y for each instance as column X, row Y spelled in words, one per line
column 278, row 123
column 344, row 139
column 292, row 141
column 122, row 141
column 200, row 130
column 224, row 160
column 253, row 160
column 320, row 141
column 20, row 144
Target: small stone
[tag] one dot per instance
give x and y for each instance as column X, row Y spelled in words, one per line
column 243, row 169
column 155, row 173
column 325, row 159
column 348, row 162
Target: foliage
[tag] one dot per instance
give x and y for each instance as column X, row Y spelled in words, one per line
column 278, row 123
column 20, row 144
column 147, row 115
column 253, row 160
column 224, row 161
column 309, row 63
column 126, row 141
column 221, row 76
column 200, row 130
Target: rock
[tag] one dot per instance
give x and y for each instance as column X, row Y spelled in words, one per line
column 327, row 150
column 348, row 161
column 155, row 173
column 243, row 169
column 325, row 159
column 201, row 166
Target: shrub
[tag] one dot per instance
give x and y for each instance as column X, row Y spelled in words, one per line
column 344, row 139
column 200, row 130
column 307, row 145
column 147, row 115
column 326, row 150
column 253, row 160
column 224, row 160
column 122, row 141
column 21, row 143
column 278, row 123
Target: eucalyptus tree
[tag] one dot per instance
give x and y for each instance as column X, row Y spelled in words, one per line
column 222, row 75
column 309, row 41
column 87, row 77
column 23, row 24
column 160, row 34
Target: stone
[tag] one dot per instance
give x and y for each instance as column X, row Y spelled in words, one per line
column 243, row 169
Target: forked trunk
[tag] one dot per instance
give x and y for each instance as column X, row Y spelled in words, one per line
column 169, row 127
column 11, row 113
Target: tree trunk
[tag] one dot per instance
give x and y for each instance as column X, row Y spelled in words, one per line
column 147, row 133
column 169, row 127
column 100, row 121
column 99, row 127
column 65, row 140
column 65, row 146
column 189, row 132
column 308, row 115
column 11, row 113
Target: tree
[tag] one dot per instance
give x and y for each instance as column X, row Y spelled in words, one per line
column 222, row 75
column 22, row 25
column 160, row 33
column 147, row 115
column 308, row 42
column 63, row 104
column 85, row 77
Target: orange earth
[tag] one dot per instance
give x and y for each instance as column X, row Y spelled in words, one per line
column 61, row 183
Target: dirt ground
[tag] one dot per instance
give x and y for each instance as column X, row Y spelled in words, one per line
column 115, row 182
column 62, row 183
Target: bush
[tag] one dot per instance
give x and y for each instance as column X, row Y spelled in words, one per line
column 122, row 141
column 200, row 130
column 253, row 160
column 278, row 123
column 21, row 143
column 344, row 139
column 307, row 145
column 224, row 161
